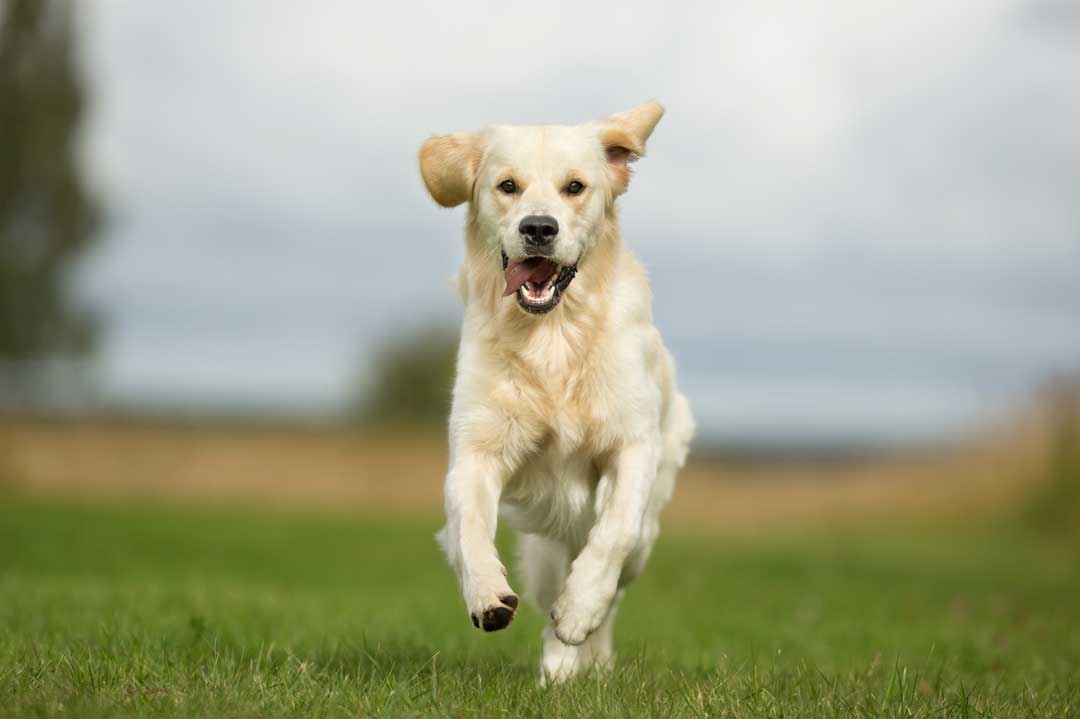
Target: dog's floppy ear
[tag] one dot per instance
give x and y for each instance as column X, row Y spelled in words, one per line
column 449, row 164
column 623, row 136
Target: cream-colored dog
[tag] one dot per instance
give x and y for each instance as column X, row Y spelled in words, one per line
column 566, row 420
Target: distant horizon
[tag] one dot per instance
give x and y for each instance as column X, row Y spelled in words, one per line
column 710, row 443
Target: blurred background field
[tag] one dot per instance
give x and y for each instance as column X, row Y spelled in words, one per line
column 227, row 343
column 1030, row 469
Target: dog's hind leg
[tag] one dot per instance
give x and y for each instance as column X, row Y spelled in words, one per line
column 561, row 662
column 545, row 564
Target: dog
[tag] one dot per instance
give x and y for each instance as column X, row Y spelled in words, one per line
column 565, row 421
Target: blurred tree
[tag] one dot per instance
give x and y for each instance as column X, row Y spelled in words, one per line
column 47, row 218
column 412, row 378
column 1055, row 503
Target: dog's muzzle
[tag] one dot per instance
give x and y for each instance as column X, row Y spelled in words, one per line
column 537, row 282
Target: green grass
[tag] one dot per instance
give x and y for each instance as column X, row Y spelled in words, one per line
column 155, row 611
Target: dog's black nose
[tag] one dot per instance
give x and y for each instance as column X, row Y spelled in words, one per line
column 539, row 230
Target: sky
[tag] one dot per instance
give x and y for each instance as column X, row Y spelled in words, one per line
column 861, row 218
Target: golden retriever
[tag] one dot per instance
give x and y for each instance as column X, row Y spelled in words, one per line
column 566, row 420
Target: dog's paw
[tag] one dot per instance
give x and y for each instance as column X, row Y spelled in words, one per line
column 490, row 601
column 560, row 663
column 494, row 618
column 575, row 616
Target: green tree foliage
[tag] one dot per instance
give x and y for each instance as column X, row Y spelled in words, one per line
column 47, row 218
column 412, row 379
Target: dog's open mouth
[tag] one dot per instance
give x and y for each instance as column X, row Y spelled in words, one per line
column 537, row 281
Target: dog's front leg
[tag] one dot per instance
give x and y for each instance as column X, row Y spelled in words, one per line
column 590, row 588
column 473, row 487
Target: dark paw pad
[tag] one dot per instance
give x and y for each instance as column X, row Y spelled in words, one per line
column 496, row 618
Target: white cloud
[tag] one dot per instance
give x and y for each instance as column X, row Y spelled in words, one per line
column 830, row 177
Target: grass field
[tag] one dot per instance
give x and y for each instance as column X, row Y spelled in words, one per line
column 150, row 610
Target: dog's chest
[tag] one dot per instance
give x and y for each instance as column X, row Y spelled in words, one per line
column 567, row 411
column 553, row 487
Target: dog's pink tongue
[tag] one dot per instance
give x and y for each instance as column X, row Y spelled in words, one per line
column 534, row 269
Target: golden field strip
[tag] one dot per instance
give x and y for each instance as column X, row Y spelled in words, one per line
column 352, row 469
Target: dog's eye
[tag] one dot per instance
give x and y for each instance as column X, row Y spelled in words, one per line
column 574, row 188
column 509, row 187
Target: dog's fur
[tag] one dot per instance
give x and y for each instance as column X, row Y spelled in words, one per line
column 567, row 424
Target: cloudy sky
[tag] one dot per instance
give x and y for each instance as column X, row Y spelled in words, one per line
column 862, row 218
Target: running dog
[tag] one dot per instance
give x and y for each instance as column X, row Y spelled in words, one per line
column 566, row 421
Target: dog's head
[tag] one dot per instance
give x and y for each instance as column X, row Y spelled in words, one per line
column 539, row 195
